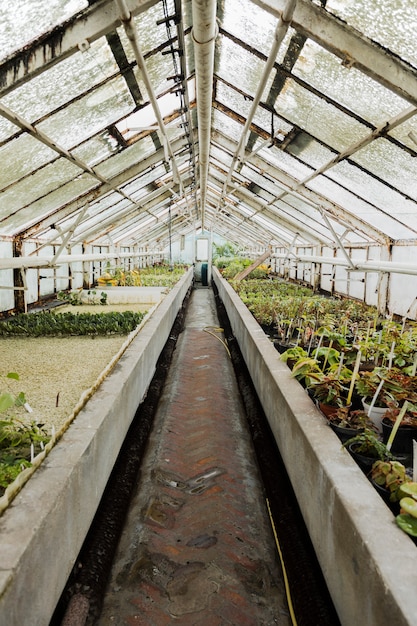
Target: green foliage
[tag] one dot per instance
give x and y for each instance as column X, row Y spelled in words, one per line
column 391, row 475
column 407, row 520
column 18, row 439
column 369, row 445
column 222, row 253
column 54, row 324
column 75, row 297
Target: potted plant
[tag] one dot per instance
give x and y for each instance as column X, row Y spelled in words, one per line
column 407, row 429
column 347, row 423
column 407, row 519
column 388, row 477
column 329, row 391
column 366, row 448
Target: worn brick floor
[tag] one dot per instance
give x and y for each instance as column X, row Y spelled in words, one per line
column 198, row 548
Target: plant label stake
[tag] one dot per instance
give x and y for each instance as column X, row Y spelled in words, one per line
column 397, row 425
column 354, row 375
column 376, row 394
column 414, row 461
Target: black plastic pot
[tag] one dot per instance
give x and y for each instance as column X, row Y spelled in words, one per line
column 385, row 495
column 364, row 462
column 403, row 440
column 345, row 433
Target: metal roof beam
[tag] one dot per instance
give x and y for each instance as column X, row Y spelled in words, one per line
column 284, row 180
column 353, row 48
column 76, row 34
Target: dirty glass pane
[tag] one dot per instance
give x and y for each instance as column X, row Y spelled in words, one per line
column 248, row 22
column 373, row 191
column 75, row 75
column 239, row 67
column 22, row 20
column 88, row 115
column 347, row 86
column 392, row 24
column 227, row 125
column 39, row 184
column 21, row 156
column 390, row 163
column 364, row 210
column 45, row 206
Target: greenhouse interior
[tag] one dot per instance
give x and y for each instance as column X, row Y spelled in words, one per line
column 159, row 159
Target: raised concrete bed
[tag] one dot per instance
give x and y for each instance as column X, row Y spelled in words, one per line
column 369, row 564
column 43, row 529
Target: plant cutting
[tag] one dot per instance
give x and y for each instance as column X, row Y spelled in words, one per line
column 366, row 448
column 328, row 390
column 399, row 427
column 407, row 519
column 391, row 476
column 20, row 439
column 346, row 423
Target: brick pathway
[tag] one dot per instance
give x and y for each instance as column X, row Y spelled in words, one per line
column 198, row 548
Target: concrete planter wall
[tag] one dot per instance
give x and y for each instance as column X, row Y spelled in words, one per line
column 42, row 531
column 369, row 564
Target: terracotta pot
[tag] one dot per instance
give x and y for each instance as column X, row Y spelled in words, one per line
column 327, row 409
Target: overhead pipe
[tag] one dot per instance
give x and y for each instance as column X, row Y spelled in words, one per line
column 280, row 32
column 204, row 33
column 132, row 35
column 48, row 261
column 388, row 267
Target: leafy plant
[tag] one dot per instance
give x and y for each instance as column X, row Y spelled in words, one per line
column 391, row 475
column 71, row 297
column 50, row 323
column 407, row 520
column 356, row 419
column 19, row 440
column 367, row 444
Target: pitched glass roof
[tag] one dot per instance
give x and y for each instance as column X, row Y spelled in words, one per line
column 278, row 128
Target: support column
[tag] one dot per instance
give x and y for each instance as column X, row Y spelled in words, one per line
column 18, row 283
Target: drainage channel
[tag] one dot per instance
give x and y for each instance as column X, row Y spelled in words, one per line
column 307, row 589
column 82, row 599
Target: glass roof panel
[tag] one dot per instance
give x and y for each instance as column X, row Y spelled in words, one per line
column 238, row 66
column 39, row 209
column 284, row 161
column 227, row 125
column 365, row 211
column 75, row 75
column 20, row 157
column 39, row 184
column 126, row 158
column 307, row 111
column 390, row 163
column 250, row 23
column 347, row 86
column 392, row 24
column 376, row 193
column 89, row 114
column 22, row 21
column 233, row 99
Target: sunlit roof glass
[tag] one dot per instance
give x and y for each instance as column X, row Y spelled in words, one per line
column 346, row 86
column 393, row 25
column 22, row 20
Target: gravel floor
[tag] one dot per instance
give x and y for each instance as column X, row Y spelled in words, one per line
column 55, row 371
